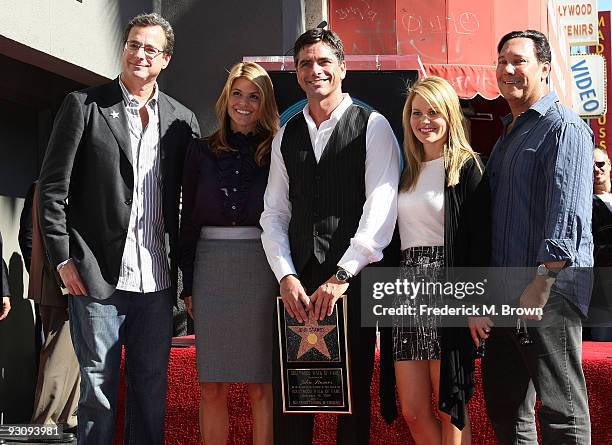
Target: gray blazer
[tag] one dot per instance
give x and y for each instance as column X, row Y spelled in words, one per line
column 86, row 182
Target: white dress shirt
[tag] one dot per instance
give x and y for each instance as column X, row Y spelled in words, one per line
column 382, row 170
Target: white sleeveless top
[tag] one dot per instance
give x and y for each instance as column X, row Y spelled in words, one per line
column 420, row 212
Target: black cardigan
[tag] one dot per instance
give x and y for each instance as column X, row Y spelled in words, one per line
column 467, row 234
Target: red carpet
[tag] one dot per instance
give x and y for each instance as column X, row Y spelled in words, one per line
column 183, row 395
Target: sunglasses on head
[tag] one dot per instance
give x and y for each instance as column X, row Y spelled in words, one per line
column 600, row 164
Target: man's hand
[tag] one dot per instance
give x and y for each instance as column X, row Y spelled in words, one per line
column 71, row 279
column 324, row 298
column 5, row 308
column 294, row 298
column 536, row 295
column 189, row 305
column 480, row 328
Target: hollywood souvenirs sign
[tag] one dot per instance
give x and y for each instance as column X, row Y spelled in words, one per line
column 579, row 19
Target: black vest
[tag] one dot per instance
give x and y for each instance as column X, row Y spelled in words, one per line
column 326, row 198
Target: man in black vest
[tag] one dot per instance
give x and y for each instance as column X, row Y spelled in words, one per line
column 329, row 210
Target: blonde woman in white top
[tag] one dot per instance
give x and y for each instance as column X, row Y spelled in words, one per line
column 441, row 173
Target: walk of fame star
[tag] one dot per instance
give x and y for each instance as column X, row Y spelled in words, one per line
column 313, row 336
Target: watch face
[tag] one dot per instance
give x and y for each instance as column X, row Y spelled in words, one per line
column 342, row 275
column 542, row 270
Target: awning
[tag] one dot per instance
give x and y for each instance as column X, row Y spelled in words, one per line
column 467, row 80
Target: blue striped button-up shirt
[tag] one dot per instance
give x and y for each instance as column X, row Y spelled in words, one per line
column 541, row 177
column 144, row 265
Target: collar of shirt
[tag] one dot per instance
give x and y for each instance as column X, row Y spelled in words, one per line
column 320, row 136
column 131, row 101
column 541, row 107
column 335, row 116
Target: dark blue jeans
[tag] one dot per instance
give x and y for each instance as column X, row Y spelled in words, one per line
column 142, row 322
column 549, row 369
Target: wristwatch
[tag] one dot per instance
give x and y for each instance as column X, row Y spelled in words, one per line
column 343, row 276
column 544, row 271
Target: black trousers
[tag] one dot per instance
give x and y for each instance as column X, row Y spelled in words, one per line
column 353, row 429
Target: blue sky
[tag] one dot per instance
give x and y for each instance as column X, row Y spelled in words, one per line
column 604, row 5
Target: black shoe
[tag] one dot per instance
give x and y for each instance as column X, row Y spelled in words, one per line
column 66, row 437
column 72, row 430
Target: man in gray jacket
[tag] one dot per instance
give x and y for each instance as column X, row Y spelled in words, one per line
column 109, row 197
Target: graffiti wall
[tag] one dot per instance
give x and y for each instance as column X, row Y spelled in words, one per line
column 439, row 31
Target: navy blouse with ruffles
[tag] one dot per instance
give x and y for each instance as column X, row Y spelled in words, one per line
column 223, row 190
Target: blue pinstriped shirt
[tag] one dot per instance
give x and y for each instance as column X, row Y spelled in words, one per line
column 541, row 177
column 144, row 265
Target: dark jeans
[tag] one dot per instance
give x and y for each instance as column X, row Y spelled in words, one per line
column 143, row 323
column 549, row 369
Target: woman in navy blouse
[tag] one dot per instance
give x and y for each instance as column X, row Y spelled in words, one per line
column 229, row 288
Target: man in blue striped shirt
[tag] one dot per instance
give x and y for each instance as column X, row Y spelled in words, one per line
column 541, row 173
column 109, row 199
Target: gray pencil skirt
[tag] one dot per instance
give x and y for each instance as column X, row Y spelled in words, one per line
column 234, row 292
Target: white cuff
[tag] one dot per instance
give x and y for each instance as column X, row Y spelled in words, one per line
column 63, row 263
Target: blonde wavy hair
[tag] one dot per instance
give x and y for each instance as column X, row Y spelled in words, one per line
column 441, row 96
column 268, row 120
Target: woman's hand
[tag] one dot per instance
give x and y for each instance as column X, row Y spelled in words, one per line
column 189, row 305
column 480, row 327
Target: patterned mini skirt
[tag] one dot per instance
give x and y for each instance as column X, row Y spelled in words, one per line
column 415, row 335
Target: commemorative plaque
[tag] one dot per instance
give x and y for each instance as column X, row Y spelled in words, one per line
column 314, row 362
